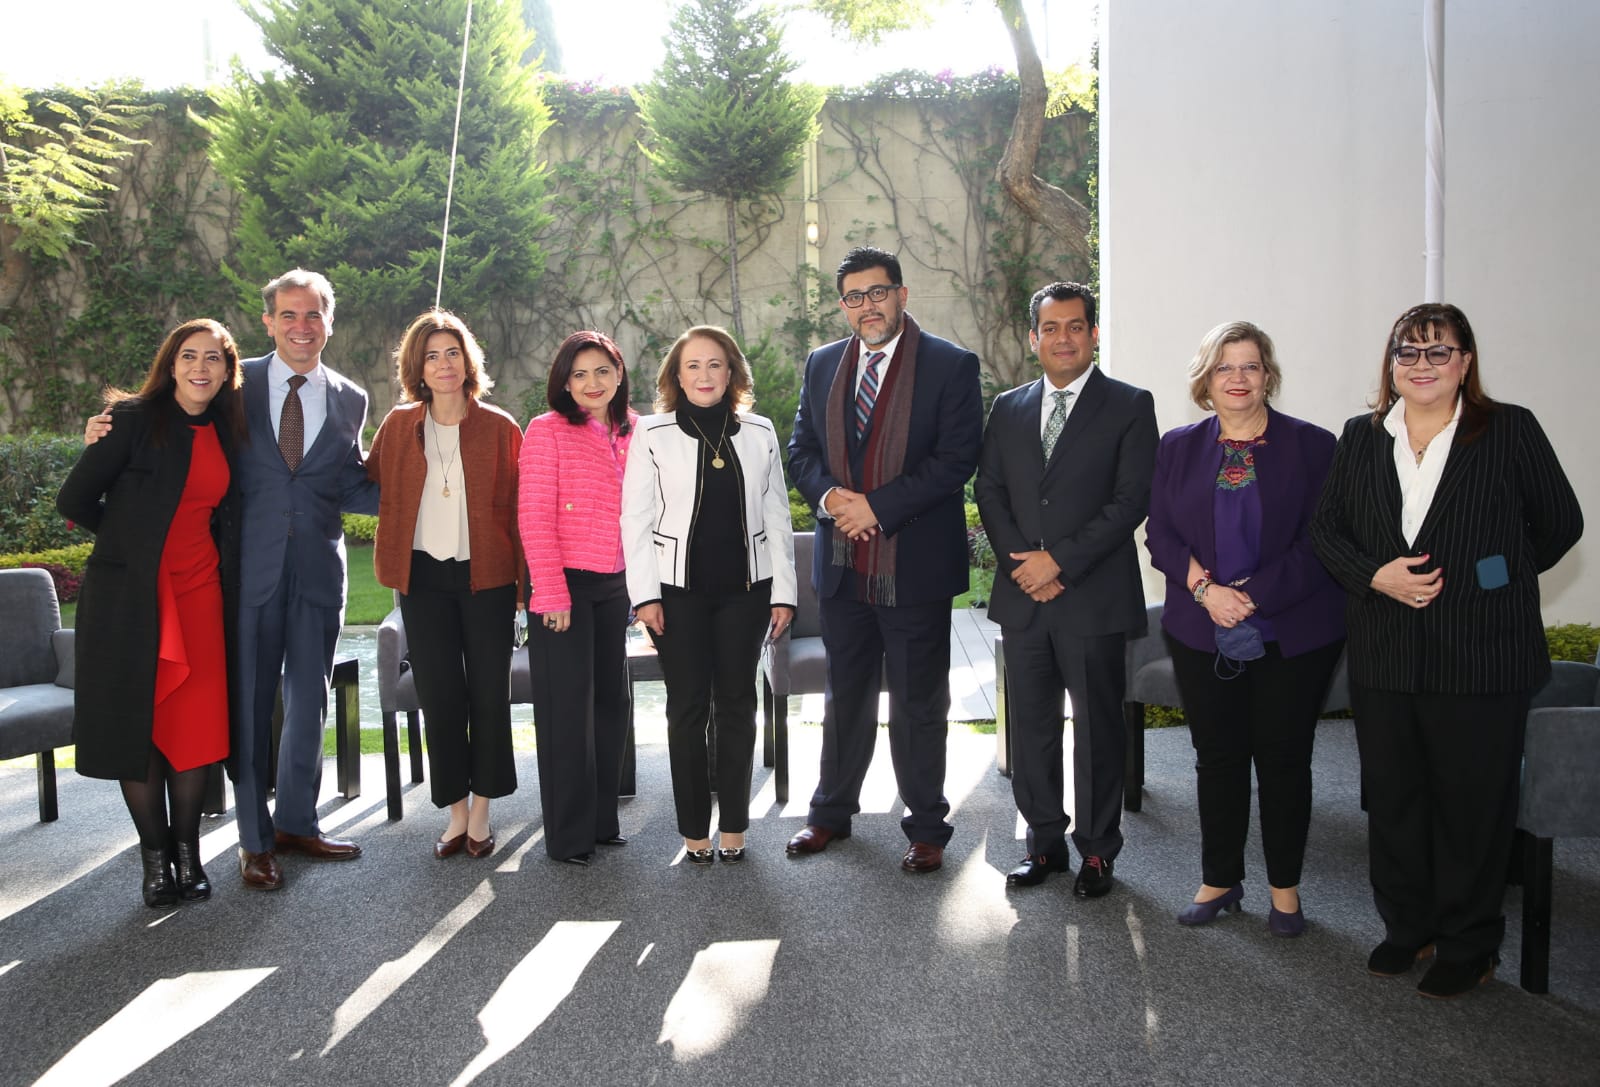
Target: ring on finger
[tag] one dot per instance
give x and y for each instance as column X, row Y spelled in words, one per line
column 1417, row 598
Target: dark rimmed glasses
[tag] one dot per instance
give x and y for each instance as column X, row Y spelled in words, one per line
column 1439, row 354
column 854, row 299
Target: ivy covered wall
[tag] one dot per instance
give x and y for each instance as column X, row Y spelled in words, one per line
column 906, row 163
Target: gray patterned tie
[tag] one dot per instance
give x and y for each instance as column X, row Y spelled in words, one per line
column 292, row 425
column 1057, row 420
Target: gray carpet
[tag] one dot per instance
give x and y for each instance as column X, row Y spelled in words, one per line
column 834, row 969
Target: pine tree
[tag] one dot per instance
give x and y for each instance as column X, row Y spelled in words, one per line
column 342, row 162
column 720, row 115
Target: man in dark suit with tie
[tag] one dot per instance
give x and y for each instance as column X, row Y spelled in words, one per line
column 302, row 467
column 1063, row 481
column 886, row 435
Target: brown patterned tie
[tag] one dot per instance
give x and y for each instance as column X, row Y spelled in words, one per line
column 292, row 425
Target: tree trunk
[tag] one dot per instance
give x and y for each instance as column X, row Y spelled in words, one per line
column 733, row 270
column 1046, row 204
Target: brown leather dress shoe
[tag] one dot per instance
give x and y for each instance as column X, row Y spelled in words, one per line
column 813, row 839
column 449, row 847
column 260, row 871
column 480, row 847
column 923, row 857
column 318, row 845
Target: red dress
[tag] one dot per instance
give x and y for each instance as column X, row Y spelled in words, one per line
column 191, row 712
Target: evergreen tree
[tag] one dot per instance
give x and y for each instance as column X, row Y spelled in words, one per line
column 536, row 15
column 721, row 116
column 342, row 162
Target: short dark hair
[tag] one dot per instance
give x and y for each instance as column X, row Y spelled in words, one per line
column 560, row 398
column 299, row 277
column 863, row 257
column 1061, row 291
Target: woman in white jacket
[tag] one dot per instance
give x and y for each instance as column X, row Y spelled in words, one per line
column 709, row 552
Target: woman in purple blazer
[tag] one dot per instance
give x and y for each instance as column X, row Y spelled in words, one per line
column 1254, row 623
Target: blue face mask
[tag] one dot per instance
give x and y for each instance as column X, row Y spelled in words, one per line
column 1238, row 644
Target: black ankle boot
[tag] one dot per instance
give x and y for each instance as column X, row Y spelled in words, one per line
column 159, row 891
column 192, row 881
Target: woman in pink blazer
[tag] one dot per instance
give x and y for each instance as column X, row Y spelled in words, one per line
column 569, row 509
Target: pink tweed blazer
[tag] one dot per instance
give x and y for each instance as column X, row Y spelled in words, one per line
column 569, row 504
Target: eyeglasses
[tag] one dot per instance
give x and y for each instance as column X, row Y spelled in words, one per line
column 1248, row 369
column 1438, row 355
column 854, row 299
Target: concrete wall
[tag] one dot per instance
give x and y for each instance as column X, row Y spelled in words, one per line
column 1263, row 160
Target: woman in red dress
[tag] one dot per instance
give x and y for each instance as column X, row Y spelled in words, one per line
column 151, row 702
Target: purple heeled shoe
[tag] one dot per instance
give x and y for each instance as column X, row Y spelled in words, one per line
column 1203, row 913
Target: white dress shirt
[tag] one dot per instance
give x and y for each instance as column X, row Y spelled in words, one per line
column 1047, row 402
column 313, row 397
column 1418, row 481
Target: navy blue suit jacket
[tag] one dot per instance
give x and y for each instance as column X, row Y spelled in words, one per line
column 297, row 513
column 1290, row 587
column 922, row 508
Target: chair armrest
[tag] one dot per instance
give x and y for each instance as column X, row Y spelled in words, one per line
column 1560, row 765
column 392, row 649
column 64, row 642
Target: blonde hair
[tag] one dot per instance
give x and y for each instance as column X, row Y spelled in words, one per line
column 741, row 391
column 1209, row 357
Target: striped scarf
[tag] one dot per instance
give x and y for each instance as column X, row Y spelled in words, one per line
column 873, row 559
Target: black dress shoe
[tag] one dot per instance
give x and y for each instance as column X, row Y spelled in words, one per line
column 1447, row 979
column 1035, row 870
column 1094, row 878
column 192, row 882
column 731, row 854
column 160, row 893
column 582, row 860
column 1390, row 960
column 699, row 856
column 615, row 839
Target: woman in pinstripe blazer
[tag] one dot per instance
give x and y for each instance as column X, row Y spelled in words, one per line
column 1440, row 511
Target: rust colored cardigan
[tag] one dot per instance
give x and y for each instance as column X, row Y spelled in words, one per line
column 490, row 444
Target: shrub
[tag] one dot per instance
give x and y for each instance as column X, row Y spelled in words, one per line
column 1573, row 642
column 360, row 528
column 800, row 512
column 32, row 467
column 73, row 558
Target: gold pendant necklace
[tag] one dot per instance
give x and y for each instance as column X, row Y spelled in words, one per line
column 716, row 454
column 444, row 469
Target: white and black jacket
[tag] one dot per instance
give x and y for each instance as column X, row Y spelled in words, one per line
column 659, row 491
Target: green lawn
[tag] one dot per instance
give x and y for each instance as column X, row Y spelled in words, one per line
column 369, row 602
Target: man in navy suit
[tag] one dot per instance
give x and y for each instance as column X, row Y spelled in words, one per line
column 302, row 467
column 885, row 438
column 1063, row 482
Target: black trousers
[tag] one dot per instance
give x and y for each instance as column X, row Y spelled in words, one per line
column 1267, row 714
column 1442, row 776
column 911, row 645
column 709, row 652
column 580, row 713
column 1041, row 663
column 460, row 644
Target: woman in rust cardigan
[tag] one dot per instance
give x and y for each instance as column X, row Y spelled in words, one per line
column 569, row 509
column 447, row 542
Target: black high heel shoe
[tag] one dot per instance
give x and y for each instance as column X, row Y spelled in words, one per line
column 159, row 891
column 192, row 881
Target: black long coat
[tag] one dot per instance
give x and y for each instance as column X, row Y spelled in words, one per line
column 125, row 489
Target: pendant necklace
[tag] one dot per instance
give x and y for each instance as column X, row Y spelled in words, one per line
column 444, row 469
column 716, row 454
